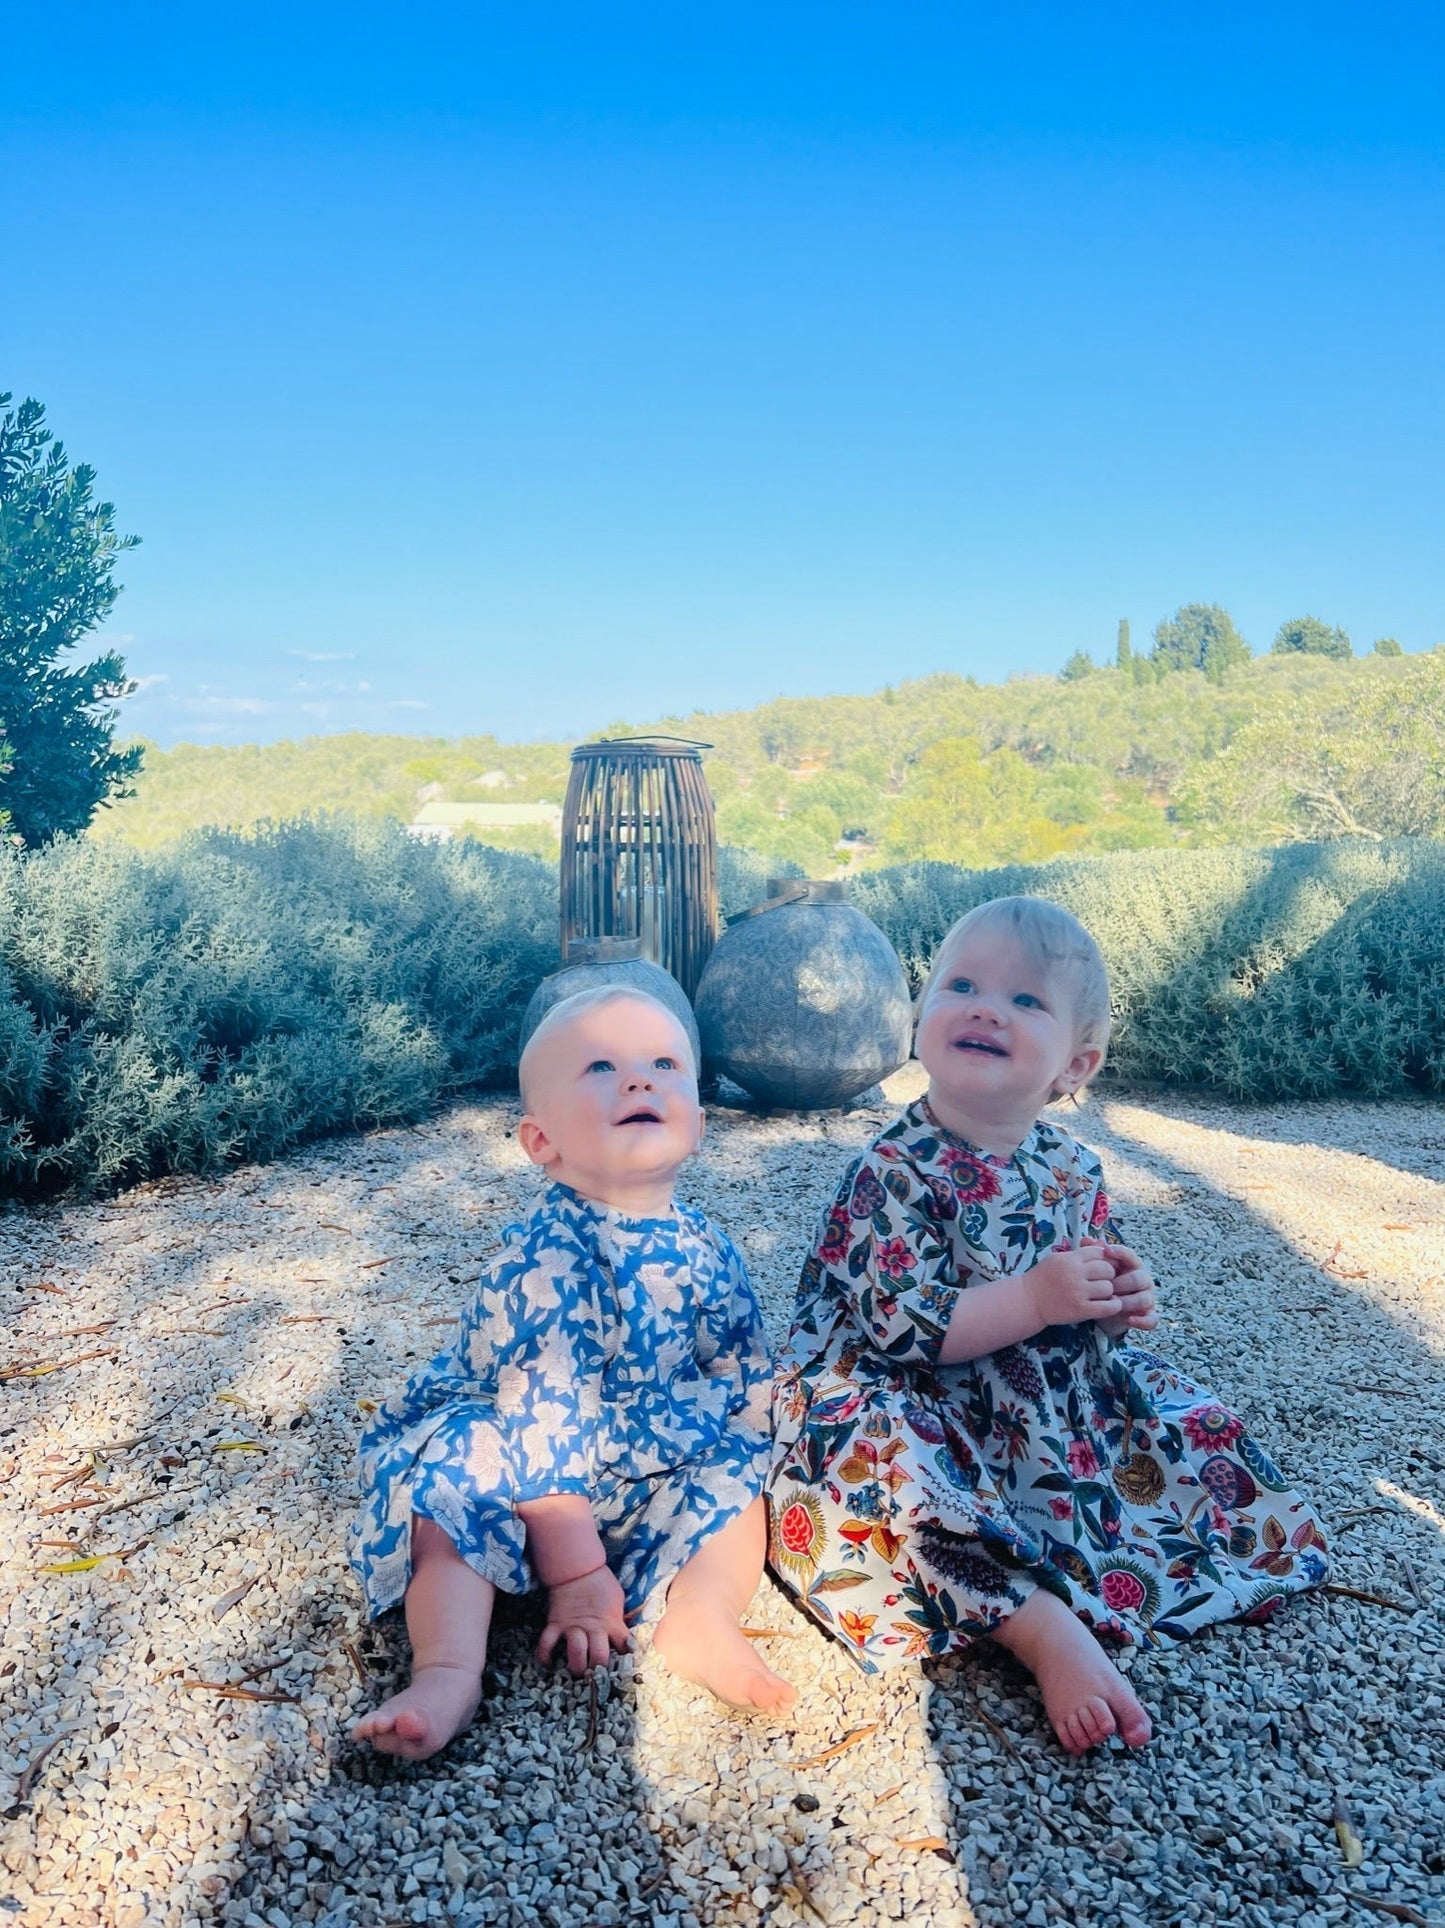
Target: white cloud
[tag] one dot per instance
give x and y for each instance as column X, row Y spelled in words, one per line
column 143, row 683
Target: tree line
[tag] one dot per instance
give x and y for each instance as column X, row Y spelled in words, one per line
column 1194, row 741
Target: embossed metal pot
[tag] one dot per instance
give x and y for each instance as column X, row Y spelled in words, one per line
column 618, row 961
column 804, row 1002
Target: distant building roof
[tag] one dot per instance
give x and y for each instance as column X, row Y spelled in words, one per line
column 486, row 816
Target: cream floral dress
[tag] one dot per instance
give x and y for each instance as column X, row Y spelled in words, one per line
column 915, row 1505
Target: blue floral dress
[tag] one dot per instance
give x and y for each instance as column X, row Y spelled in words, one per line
column 623, row 1358
column 915, row 1505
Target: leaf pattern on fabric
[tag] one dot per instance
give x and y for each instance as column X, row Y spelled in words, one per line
column 947, row 1494
column 619, row 1357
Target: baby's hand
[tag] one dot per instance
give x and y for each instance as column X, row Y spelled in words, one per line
column 1069, row 1287
column 586, row 1614
column 1134, row 1289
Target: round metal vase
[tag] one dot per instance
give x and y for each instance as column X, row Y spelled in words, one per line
column 804, row 1002
column 612, row 961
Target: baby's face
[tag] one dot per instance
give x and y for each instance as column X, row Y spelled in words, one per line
column 612, row 1104
column 997, row 1030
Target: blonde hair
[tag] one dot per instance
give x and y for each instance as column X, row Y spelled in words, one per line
column 572, row 1007
column 1056, row 943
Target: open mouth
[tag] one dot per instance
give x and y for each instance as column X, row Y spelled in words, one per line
column 640, row 1118
column 980, row 1044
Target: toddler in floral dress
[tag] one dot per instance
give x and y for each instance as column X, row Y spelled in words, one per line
column 966, row 1443
column 600, row 1425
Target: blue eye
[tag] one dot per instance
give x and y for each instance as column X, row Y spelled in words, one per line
column 1029, row 1001
column 602, row 1064
column 664, row 1064
column 963, row 985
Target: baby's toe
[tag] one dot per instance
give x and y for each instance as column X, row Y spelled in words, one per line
column 1135, row 1727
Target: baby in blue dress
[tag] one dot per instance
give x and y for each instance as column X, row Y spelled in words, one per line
column 600, row 1425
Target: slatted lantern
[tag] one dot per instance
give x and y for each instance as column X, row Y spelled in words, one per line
column 639, row 851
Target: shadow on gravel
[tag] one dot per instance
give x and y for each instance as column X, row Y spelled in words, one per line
column 163, row 1802
column 540, row 1814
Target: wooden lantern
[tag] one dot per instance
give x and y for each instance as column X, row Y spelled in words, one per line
column 639, row 851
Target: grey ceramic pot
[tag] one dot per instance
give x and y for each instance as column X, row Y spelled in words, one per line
column 804, row 1002
column 609, row 960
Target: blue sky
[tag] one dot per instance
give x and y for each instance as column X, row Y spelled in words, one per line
column 469, row 368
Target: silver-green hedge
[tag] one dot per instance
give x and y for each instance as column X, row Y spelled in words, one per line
column 229, row 996
column 1300, row 972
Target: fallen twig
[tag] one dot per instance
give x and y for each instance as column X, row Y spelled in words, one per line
column 1361, row 1512
column 372, row 1264
column 70, row 1506
column 152, row 1493
column 1370, row 1599
column 303, row 1318
column 81, row 1331
column 1340, row 1271
column 1412, row 1578
column 39, row 1368
column 1001, row 1733
column 768, row 1633
column 1400, row 1910
column 840, row 1747
column 591, row 1740
column 266, row 1667
column 234, row 1690
column 75, row 1475
column 34, row 1764
column 357, row 1662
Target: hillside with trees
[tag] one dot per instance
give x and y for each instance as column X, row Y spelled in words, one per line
column 1194, row 742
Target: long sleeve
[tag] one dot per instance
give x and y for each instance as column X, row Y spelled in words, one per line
column 883, row 1251
column 528, row 1356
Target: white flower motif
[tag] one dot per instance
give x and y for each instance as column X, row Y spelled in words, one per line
column 544, row 1441
column 484, row 1455
column 660, row 1283
column 513, row 1385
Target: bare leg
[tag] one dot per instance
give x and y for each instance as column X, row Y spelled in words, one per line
column 698, row 1636
column 448, row 1612
column 1085, row 1696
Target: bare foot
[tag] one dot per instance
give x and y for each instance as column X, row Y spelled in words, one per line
column 706, row 1646
column 439, row 1703
column 1085, row 1696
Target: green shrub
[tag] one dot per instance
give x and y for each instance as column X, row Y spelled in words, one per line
column 1302, row 972
column 229, row 995
column 742, row 877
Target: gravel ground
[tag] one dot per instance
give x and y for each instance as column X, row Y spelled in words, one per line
column 173, row 1721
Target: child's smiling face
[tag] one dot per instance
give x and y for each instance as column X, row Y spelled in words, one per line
column 611, row 1104
column 998, row 1037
